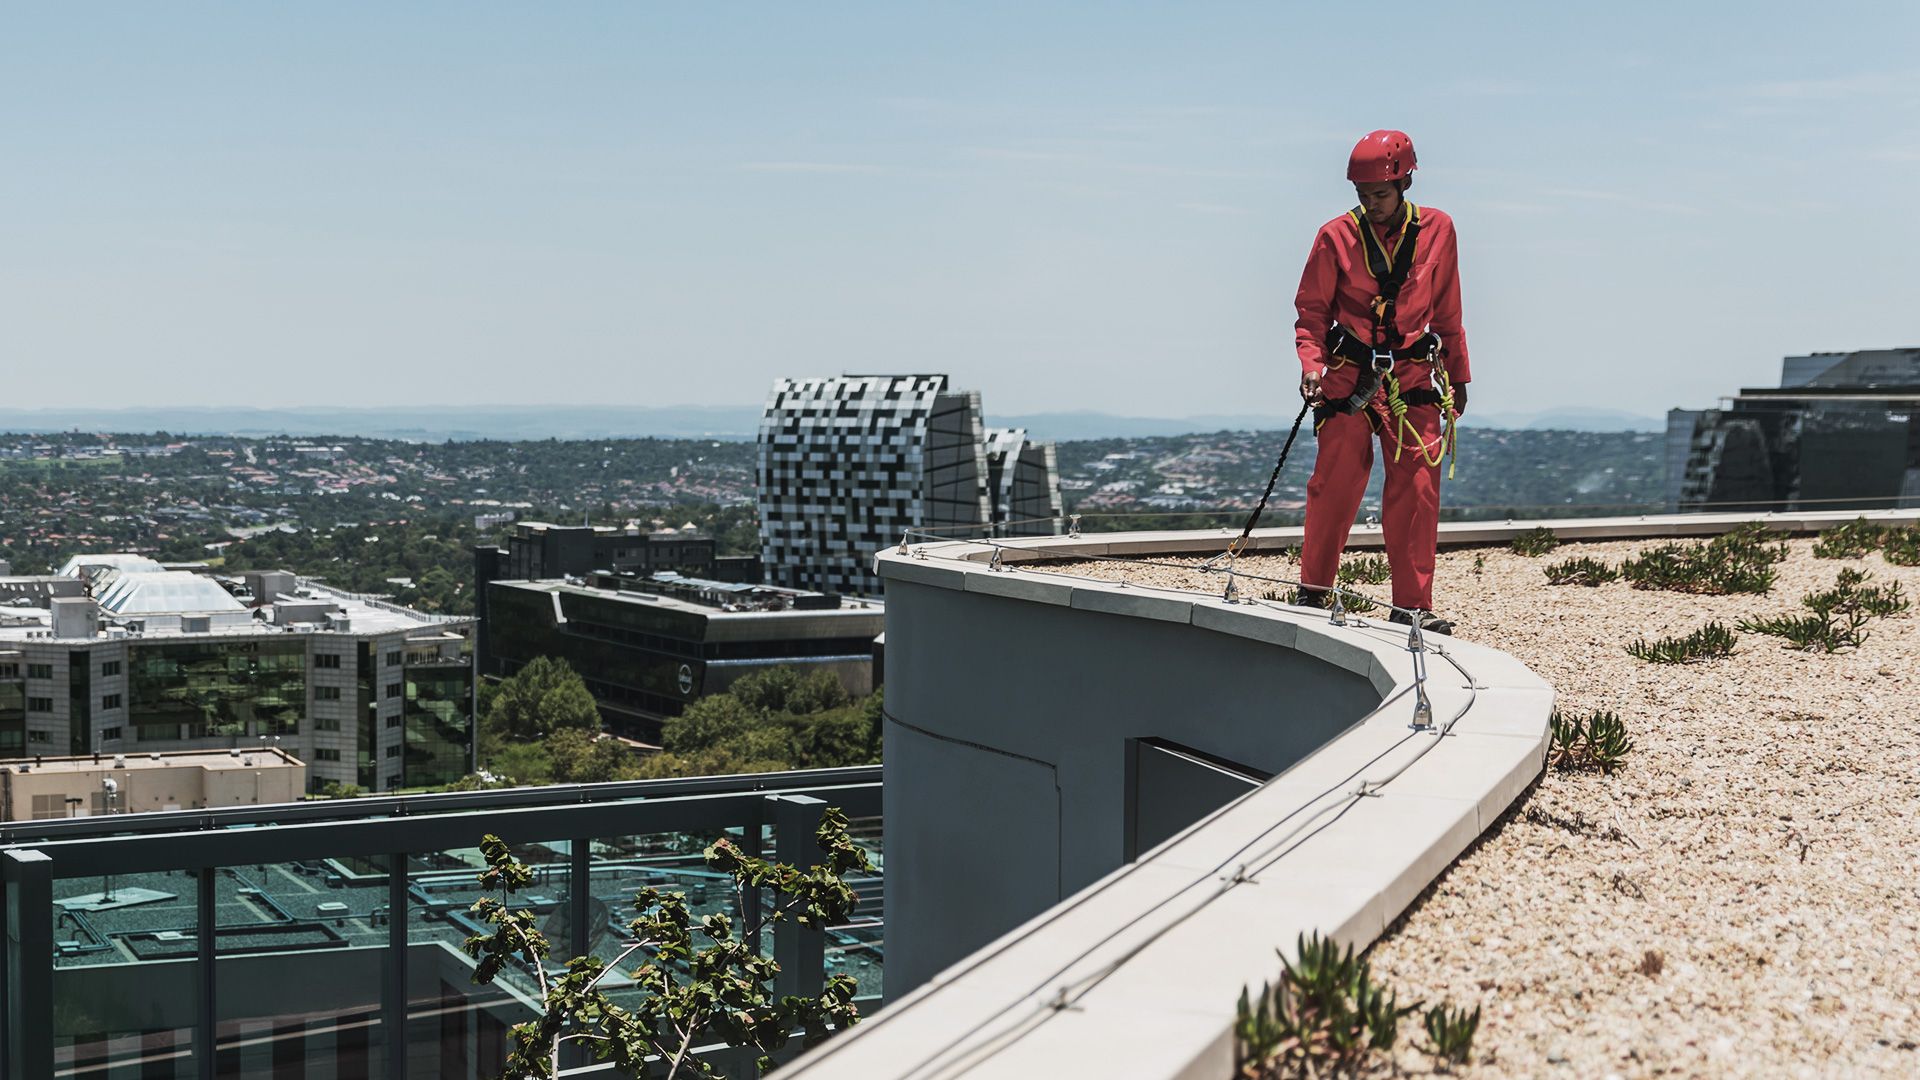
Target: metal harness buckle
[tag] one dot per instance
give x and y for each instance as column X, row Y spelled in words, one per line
column 1382, row 361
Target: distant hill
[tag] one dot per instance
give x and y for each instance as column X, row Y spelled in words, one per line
column 471, row 422
column 1571, row 418
column 1069, row 426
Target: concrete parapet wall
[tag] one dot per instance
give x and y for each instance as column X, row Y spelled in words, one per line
column 1011, row 698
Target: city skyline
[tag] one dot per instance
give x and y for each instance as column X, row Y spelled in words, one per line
column 635, row 205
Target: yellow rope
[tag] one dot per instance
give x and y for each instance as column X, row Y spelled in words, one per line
column 1446, row 447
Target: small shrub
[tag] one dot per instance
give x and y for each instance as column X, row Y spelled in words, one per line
column 1535, row 542
column 1822, row 631
column 1901, row 547
column 1479, row 564
column 1851, row 592
column 1597, row 740
column 1850, row 541
column 1581, row 571
column 1324, row 1015
column 1364, row 570
column 1752, row 541
column 1353, row 602
column 1839, row 615
column 1710, row 642
column 1741, row 561
column 1450, row 1033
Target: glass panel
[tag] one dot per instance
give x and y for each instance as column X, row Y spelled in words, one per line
column 456, row 1028
column 670, row 862
column 124, row 975
column 856, row 948
column 299, row 955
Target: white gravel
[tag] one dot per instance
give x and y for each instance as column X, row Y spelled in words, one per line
column 1761, row 841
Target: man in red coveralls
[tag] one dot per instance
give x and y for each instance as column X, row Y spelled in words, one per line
column 1382, row 354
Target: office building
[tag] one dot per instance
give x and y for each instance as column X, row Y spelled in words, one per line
column 543, row 551
column 1838, row 433
column 121, row 655
column 650, row 644
column 847, row 465
column 40, row 788
column 1023, row 476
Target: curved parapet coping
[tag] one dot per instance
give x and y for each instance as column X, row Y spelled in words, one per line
column 1452, row 533
column 1137, row 974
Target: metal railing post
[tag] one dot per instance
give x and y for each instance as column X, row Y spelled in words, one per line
column 205, row 937
column 393, row 998
column 29, row 1020
column 752, row 842
column 801, row 953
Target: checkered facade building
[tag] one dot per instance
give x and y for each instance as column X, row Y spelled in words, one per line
column 847, row 464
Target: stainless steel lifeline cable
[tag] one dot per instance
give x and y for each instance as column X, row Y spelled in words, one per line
column 1249, row 860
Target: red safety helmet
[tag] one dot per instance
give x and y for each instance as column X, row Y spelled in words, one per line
column 1380, row 157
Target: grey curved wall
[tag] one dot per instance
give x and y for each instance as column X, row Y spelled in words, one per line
column 1006, row 748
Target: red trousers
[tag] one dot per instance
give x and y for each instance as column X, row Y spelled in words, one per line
column 1410, row 502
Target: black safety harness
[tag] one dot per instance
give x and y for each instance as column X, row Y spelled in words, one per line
column 1375, row 355
column 1390, row 270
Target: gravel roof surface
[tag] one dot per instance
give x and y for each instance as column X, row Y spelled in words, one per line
column 1741, row 898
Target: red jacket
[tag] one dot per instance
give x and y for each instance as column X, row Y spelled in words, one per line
column 1336, row 286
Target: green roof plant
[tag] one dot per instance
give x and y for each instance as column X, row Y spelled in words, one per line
column 1850, row 541
column 1536, row 542
column 1596, row 740
column 1710, row 642
column 1581, row 571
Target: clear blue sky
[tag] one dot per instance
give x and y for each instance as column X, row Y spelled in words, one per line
column 1097, row 206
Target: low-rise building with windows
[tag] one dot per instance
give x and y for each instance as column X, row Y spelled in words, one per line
column 120, row 655
column 648, row 645
column 43, row 788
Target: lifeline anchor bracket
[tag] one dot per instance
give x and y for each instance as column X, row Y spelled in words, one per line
column 994, row 565
column 1231, row 594
column 1073, row 526
column 1337, row 614
column 1422, row 710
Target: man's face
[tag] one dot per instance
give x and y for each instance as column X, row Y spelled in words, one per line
column 1380, row 202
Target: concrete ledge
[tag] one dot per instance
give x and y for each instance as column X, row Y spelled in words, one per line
column 1139, row 603
column 1153, row 956
column 1039, row 588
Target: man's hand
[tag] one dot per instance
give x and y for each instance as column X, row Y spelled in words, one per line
column 1310, row 388
column 1460, row 399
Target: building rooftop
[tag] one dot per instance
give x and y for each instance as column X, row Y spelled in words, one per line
column 1738, row 897
column 716, row 599
column 242, row 758
column 116, row 560
column 138, row 601
column 151, row 592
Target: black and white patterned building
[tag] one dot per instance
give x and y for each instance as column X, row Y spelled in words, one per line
column 1023, row 478
column 848, row 464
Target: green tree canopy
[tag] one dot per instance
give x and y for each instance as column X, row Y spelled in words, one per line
column 768, row 721
column 540, row 699
column 579, row 758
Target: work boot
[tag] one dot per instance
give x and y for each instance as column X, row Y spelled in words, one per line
column 1313, row 598
column 1429, row 622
